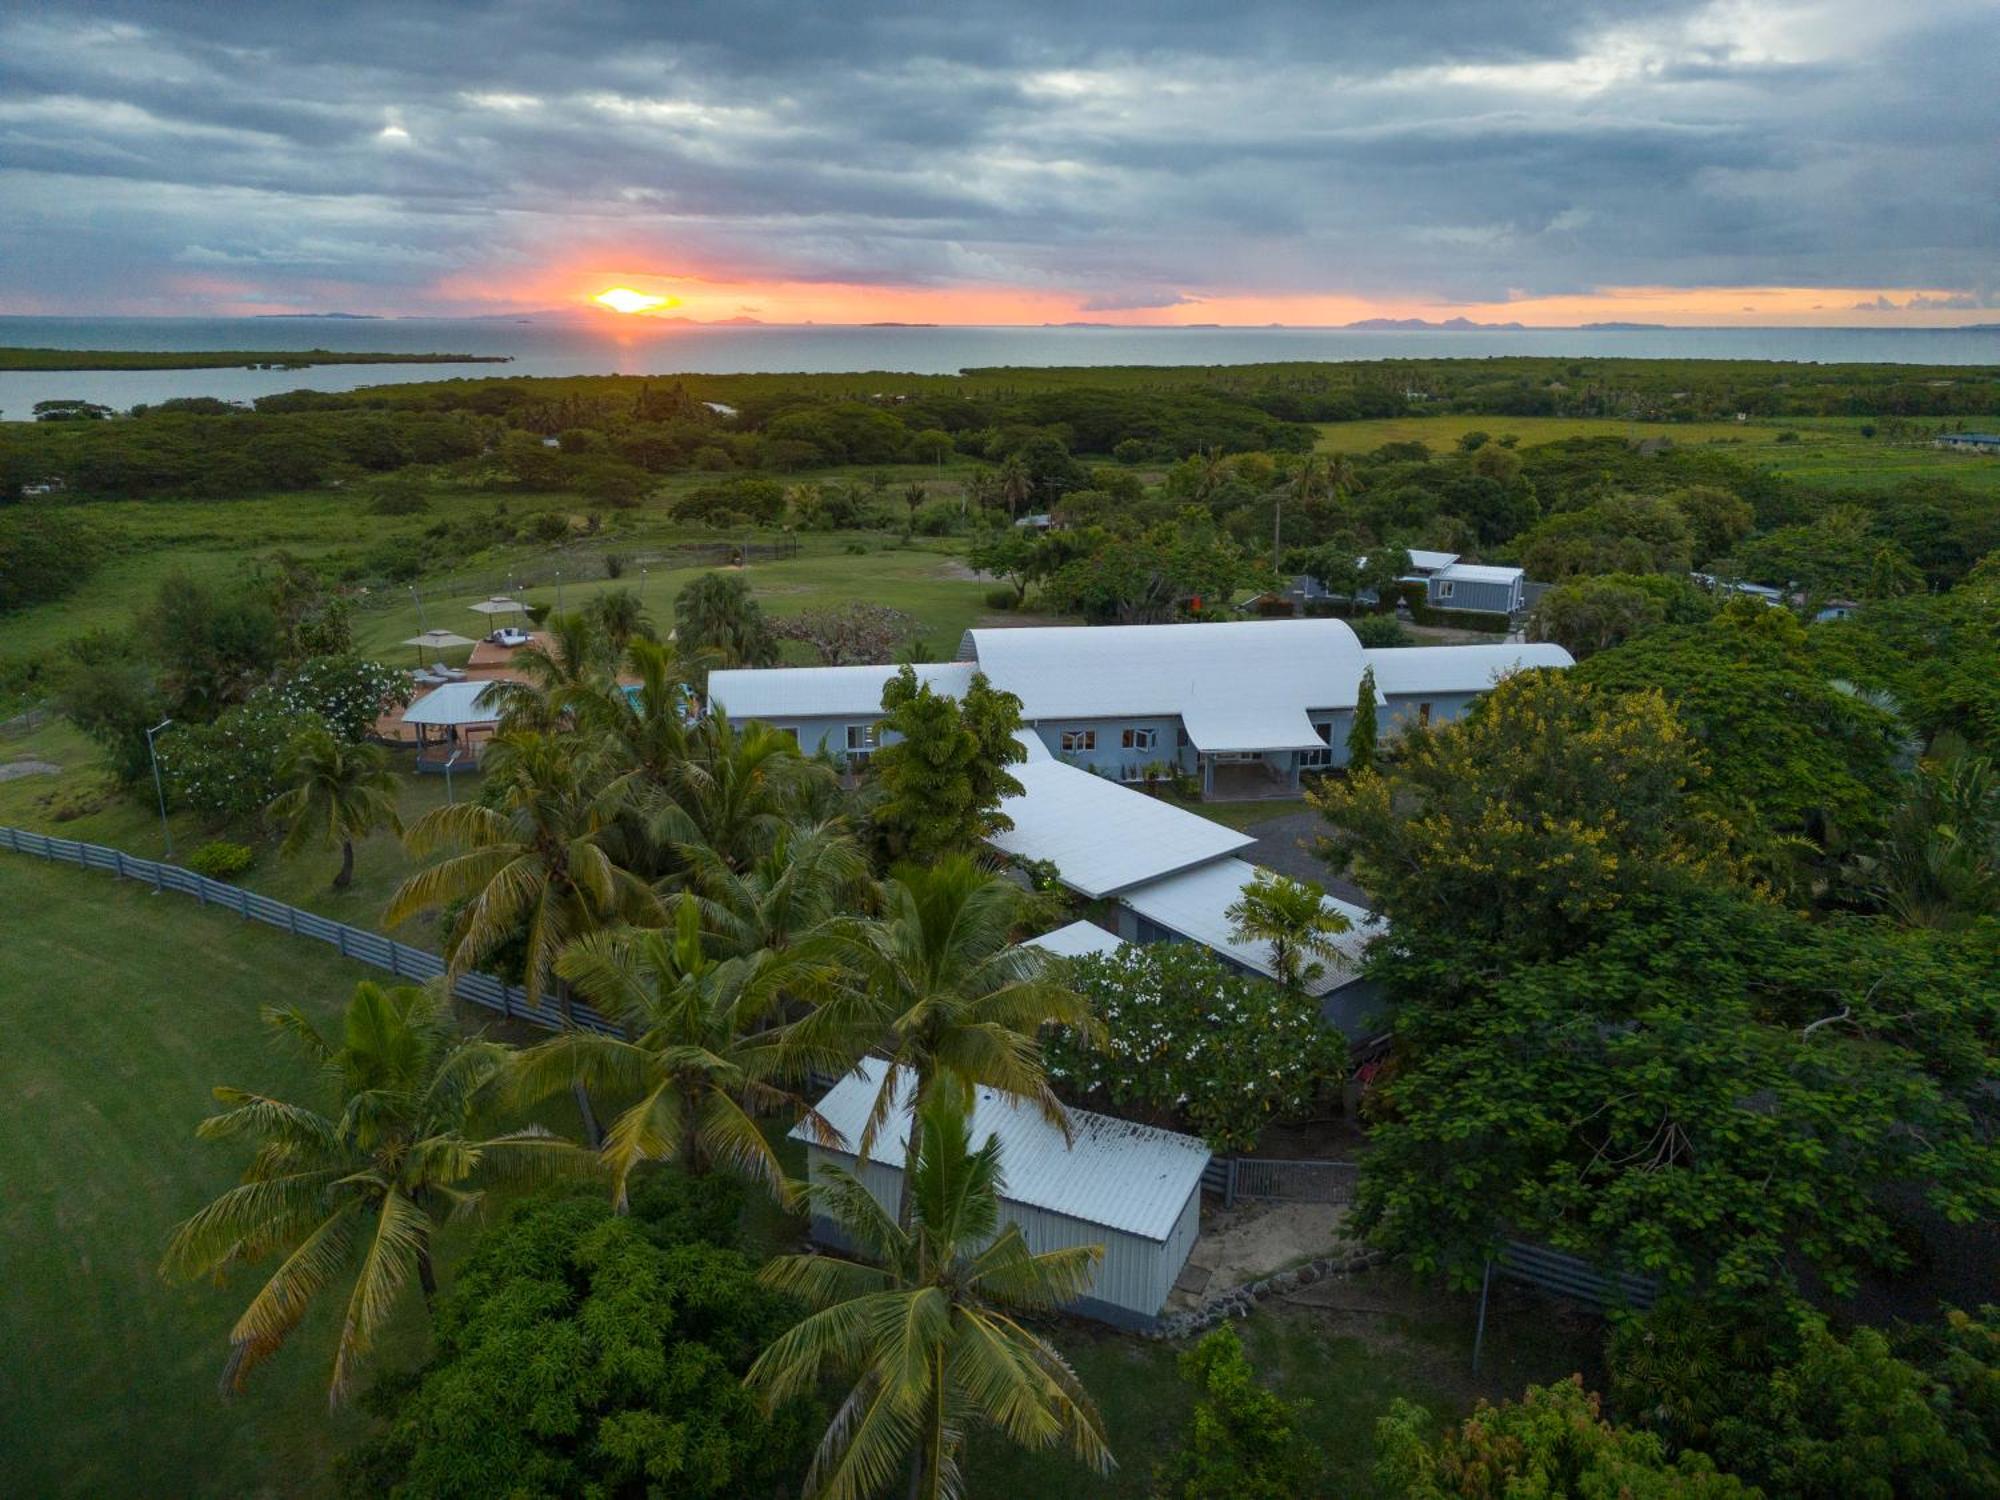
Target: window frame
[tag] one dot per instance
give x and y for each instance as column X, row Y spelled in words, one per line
column 1078, row 741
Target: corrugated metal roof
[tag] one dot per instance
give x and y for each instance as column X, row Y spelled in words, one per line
column 1113, row 1173
column 1430, row 562
column 1078, row 940
column 1213, row 726
column 1403, row 670
column 1195, row 903
column 1241, row 667
column 823, row 692
column 1103, row 837
column 454, row 703
column 1460, row 572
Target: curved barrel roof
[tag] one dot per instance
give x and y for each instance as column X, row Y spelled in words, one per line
column 1236, row 685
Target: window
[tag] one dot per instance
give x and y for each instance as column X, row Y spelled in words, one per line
column 861, row 736
column 1423, row 713
column 1315, row 760
column 1444, row 588
column 1325, row 733
column 1141, row 739
column 1181, row 738
column 1074, row 740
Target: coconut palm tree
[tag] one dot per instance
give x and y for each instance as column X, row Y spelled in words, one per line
column 735, row 788
column 621, row 618
column 811, row 872
column 565, row 671
column 938, row 986
column 703, row 1063
column 337, row 793
column 530, row 861
column 1291, row 916
column 927, row 1327
column 358, row 1188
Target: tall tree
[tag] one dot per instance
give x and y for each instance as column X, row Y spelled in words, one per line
column 1292, row 917
column 927, row 1327
column 938, row 986
column 736, row 788
column 337, row 793
column 361, row 1185
column 811, row 872
column 562, row 673
column 530, row 862
column 1362, row 733
column 1016, row 485
column 714, row 612
column 945, row 774
column 1938, row 865
column 703, row 1065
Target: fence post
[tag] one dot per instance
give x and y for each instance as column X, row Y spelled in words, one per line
column 394, row 970
column 292, row 919
column 340, row 937
column 1229, row 1183
column 1479, row 1334
column 243, row 901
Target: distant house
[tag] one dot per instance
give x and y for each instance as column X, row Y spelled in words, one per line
column 1040, row 521
column 1838, row 609
column 1476, row 586
column 1133, row 1189
column 1969, row 442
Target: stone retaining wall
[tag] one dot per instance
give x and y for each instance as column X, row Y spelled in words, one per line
column 1238, row 1301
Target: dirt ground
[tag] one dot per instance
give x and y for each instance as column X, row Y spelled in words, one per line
column 15, row 769
column 1251, row 1241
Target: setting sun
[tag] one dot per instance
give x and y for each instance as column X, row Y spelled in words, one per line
column 624, row 299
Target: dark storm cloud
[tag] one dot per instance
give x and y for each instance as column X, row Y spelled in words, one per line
column 1133, row 154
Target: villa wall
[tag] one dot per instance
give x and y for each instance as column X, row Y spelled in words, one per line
column 1109, row 757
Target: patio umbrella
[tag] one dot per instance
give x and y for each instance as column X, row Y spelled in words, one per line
column 499, row 604
column 436, row 640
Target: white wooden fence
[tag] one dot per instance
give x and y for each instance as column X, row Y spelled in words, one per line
column 416, row 965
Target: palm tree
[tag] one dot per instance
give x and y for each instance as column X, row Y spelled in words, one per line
column 937, row 985
column 621, row 618
column 1017, row 485
column 929, row 1332
column 703, row 1064
column 811, row 872
column 735, row 788
column 338, row 793
column 533, row 865
column 1291, row 916
column 1939, row 863
column 361, row 1186
column 564, row 673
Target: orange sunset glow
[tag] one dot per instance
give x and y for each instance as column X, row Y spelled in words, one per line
column 623, row 299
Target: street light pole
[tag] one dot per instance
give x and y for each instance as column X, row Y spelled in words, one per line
column 159, row 789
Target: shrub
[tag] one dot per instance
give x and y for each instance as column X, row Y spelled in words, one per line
column 229, row 769
column 1244, row 1441
column 44, row 554
column 221, row 860
column 614, row 565
column 1381, row 630
column 999, row 598
column 347, row 692
column 1188, row 1038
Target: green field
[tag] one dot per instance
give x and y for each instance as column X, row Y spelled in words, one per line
column 1441, row 433
column 121, row 1009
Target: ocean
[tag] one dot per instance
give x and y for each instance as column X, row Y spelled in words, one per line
column 592, row 347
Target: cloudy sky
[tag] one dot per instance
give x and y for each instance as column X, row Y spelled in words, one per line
column 1117, row 160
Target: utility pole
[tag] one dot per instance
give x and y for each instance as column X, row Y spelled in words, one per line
column 159, row 789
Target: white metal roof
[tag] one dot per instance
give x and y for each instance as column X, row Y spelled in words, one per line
column 454, row 703
column 1401, row 671
column 1103, row 837
column 1195, row 903
column 1078, row 940
column 1239, row 667
column 1460, row 572
column 1113, row 1173
column 823, row 692
column 1429, row 562
column 1217, row 726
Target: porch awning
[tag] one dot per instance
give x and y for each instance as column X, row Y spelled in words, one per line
column 1249, row 727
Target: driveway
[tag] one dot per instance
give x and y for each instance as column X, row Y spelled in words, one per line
column 1285, row 844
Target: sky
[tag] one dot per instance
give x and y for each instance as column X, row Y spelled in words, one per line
column 1127, row 161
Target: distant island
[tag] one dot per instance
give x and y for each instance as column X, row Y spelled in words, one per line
column 220, row 359
column 1417, row 325
column 1623, row 327
column 351, row 317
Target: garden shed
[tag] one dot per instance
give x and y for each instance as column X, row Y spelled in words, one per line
column 1134, row 1189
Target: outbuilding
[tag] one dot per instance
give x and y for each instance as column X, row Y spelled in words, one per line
column 1133, row 1189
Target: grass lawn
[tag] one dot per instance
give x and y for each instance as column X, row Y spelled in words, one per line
column 120, row 1011
column 1389, row 1338
column 1442, row 432
column 1243, row 815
